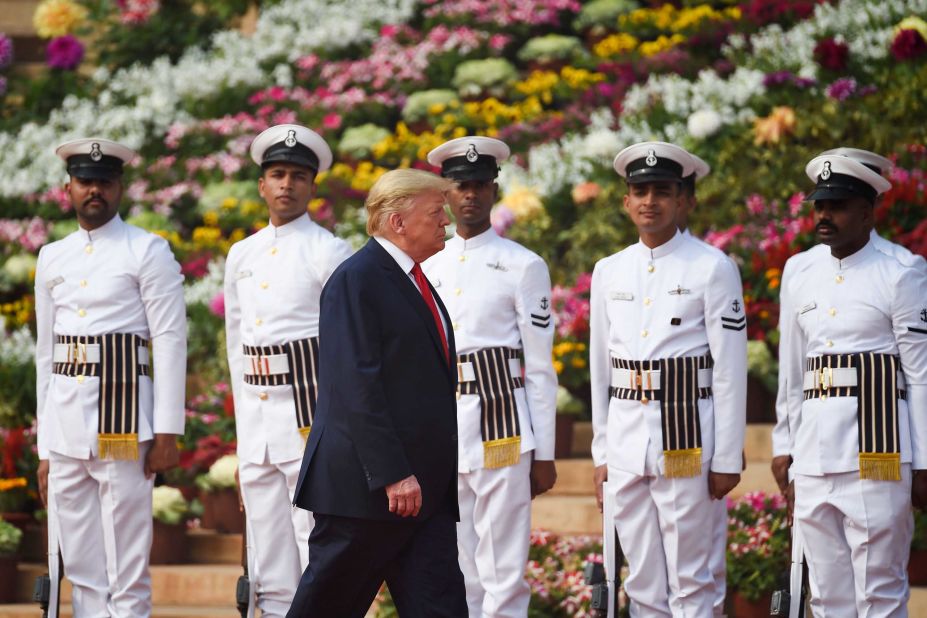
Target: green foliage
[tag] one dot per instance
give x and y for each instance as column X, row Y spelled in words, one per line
column 758, row 551
column 418, row 103
column 551, row 47
column 489, row 76
column 357, row 142
column 602, row 14
column 10, row 537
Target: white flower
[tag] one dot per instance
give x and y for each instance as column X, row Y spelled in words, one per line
column 205, row 288
column 703, row 123
column 221, row 474
column 168, row 505
column 18, row 348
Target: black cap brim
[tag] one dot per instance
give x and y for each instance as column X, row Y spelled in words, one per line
column 652, row 175
column 831, row 193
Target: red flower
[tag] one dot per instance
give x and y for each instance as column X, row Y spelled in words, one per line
column 908, row 44
column 831, row 55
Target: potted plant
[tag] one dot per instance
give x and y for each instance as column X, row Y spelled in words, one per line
column 10, row 537
column 917, row 562
column 219, row 496
column 569, row 408
column 762, row 382
column 758, row 551
column 170, row 511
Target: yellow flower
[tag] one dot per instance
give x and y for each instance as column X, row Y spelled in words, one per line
column 578, row 362
column 316, row 204
column 663, row 43
column 211, row 218
column 773, row 273
column 229, row 203
column 615, row 45
column 58, row 17
column 14, row 483
column 523, row 202
column 912, row 23
column 764, row 314
column 558, row 366
column 773, row 128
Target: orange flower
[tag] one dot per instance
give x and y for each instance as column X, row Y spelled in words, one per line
column 771, row 129
column 58, row 17
column 586, row 192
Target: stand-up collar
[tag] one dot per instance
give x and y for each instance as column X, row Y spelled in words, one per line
column 479, row 240
column 301, row 222
column 663, row 250
column 107, row 230
column 852, row 260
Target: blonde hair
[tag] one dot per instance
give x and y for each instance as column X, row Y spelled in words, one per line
column 394, row 192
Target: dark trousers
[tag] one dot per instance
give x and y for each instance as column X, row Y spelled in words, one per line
column 349, row 559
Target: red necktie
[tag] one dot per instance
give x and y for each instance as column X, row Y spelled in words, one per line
column 430, row 301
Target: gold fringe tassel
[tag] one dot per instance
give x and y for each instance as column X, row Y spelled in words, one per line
column 121, row 446
column 880, row 466
column 304, row 432
column 502, row 452
column 682, row 463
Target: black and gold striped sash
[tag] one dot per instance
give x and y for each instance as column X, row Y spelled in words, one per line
column 678, row 394
column 303, row 376
column 118, row 370
column 877, row 393
column 495, row 385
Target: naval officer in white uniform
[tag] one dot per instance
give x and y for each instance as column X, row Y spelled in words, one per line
column 498, row 295
column 273, row 280
column 668, row 376
column 110, row 361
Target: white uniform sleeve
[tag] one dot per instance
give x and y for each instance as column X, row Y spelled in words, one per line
column 791, row 351
column 536, row 328
column 333, row 253
column 909, row 322
column 233, row 326
column 161, row 288
column 727, row 340
column 44, row 347
column 599, row 366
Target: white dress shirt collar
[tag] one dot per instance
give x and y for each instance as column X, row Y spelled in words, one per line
column 108, row 229
column 300, row 222
column 401, row 257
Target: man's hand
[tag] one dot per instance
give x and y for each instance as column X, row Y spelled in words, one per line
column 598, row 477
column 780, row 470
column 790, row 501
column 919, row 489
column 543, row 477
column 405, row 497
column 42, row 475
column 720, row 484
column 163, row 454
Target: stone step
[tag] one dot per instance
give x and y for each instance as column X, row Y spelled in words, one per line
column 171, row 585
column 16, row 17
column 175, row 611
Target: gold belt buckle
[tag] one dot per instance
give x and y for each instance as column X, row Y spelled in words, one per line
column 78, row 353
column 827, row 378
column 460, row 375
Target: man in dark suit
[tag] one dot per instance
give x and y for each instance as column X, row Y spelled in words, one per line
column 379, row 471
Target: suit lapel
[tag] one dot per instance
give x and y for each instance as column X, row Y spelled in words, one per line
column 410, row 291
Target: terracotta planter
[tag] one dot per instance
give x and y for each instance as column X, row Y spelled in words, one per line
column 761, row 404
column 168, row 543
column 563, row 431
column 917, row 567
column 7, row 579
column 221, row 512
column 744, row 608
column 34, row 547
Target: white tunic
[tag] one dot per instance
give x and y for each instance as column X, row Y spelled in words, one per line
column 633, row 310
column 867, row 302
column 273, row 281
column 115, row 279
column 498, row 295
column 780, row 435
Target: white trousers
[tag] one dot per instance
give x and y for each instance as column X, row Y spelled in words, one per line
column 492, row 539
column 717, row 562
column 661, row 524
column 857, row 536
column 104, row 521
column 279, row 532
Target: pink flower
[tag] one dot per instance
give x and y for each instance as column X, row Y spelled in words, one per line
column 217, row 305
column 64, row 53
column 331, row 121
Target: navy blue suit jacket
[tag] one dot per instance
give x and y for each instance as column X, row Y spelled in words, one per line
column 386, row 401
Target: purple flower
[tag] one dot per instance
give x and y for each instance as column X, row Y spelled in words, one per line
column 2, row 85
column 842, row 89
column 64, row 52
column 784, row 78
column 6, row 51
